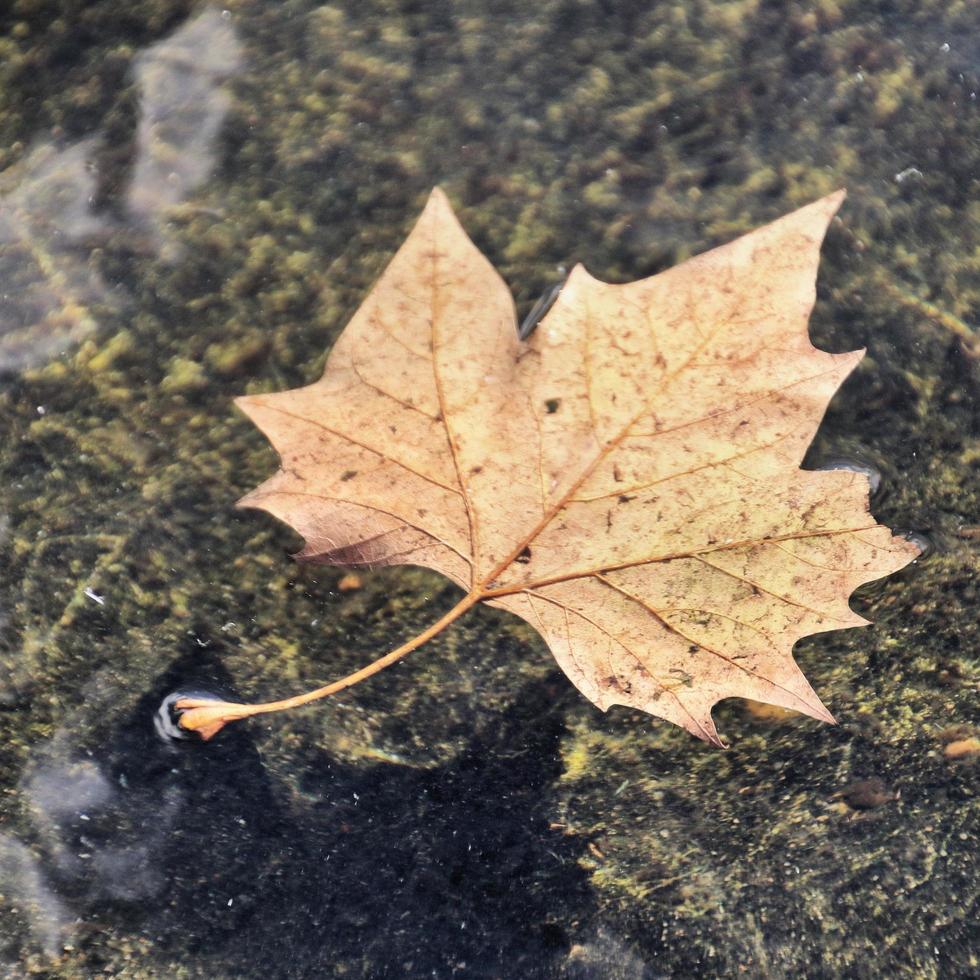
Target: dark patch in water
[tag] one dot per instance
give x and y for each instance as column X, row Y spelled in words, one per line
column 412, row 872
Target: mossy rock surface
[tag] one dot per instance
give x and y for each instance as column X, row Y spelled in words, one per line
column 193, row 200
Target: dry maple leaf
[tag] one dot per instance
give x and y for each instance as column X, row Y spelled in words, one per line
column 628, row 481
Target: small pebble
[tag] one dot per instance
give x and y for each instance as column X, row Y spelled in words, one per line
column 866, row 794
column 963, row 748
column 350, row 582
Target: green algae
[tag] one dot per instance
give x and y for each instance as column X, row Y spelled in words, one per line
column 626, row 139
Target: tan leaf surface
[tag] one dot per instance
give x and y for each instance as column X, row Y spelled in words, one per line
column 627, row 481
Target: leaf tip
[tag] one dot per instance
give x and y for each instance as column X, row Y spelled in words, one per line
column 579, row 275
column 831, row 203
column 437, row 203
column 821, row 211
column 704, row 728
column 246, row 403
column 822, row 714
column 249, row 501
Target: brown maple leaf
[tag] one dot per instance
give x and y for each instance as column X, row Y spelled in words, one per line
column 628, row 481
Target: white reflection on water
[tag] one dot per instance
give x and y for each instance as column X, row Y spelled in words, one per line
column 50, row 228
column 46, row 280
column 26, row 890
column 98, row 836
column 183, row 105
column 90, row 837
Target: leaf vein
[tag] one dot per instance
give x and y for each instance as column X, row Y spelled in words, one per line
column 670, row 627
column 374, row 507
column 471, row 517
column 363, row 445
column 755, row 585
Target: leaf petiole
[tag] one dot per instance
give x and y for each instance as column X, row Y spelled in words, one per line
column 207, row 717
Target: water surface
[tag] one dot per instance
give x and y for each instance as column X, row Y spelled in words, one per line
column 193, row 200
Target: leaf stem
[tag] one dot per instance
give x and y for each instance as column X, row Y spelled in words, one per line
column 208, row 717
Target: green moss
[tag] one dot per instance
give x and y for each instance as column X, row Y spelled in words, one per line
column 626, row 138
column 119, row 346
column 183, row 376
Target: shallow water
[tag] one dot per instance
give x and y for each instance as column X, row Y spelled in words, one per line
column 193, row 200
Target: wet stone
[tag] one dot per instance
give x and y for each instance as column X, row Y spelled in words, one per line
column 866, row 794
